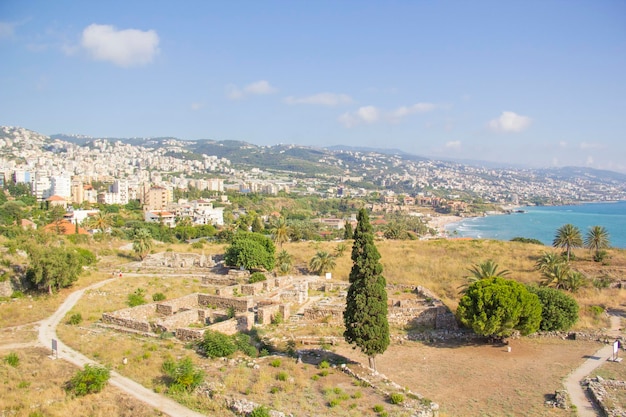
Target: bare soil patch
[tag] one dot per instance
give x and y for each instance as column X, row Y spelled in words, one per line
column 469, row 380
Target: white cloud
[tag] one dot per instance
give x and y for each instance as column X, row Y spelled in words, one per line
column 367, row 114
column 261, row 87
column 125, row 48
column 509, row 122
column 586, row 145
column 196, row 106
column 590, row 160
column 563, row 144
column 370, row 114
column 322, row 99
column 7, row 30
column 454, row 145
column 400, row 112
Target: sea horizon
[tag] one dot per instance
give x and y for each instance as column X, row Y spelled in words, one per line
column 542, row 222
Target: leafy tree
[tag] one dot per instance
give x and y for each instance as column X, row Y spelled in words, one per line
column 257, row 225
column 597, row 239
column 568, row 236
column 559, row 311
column 347, row 231
column 89, row 380
column 322, row 262
column 142, row 243
column 182, row 376
column 53, row 267
column 251, row 251
column 137, row 298
column 11, row 212
column 496, row 307
column 365, row 316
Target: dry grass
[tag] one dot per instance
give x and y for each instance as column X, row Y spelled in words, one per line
column 35, row 386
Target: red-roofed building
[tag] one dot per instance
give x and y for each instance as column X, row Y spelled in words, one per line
column 64, row 227
column 57, row 200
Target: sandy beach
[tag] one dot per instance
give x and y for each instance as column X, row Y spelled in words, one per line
column 439, row 222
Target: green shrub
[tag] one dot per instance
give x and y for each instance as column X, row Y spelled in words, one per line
column 158, row 296
column 17, row 294
column 243, row 342
column 559, row 311
column 357, row 395
column 323, row 365
column 257, row 277
column 334, row 402
column 323, row 372
column 275, row 363
column 89, row 380
column 136, row 298
column 87, row 257
column 217, row 345
column 260, row 411
column 378, row 408
column 596, row 310
column 282, row 376
column 277, row 319
column 396, row 398
column 75, row 319
column 182, row 375
column 12, row 359
column 315, row 377
column 197, row 245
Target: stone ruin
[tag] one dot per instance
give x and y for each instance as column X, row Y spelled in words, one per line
column 235, row 307
column 415, row 307
column 175, row 260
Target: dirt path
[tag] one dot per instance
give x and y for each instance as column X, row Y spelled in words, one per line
column 47, row 332
column 577, row 394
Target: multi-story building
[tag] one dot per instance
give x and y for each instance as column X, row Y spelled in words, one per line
column 156, row 198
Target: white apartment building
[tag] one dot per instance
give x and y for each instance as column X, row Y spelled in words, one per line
column 61, row 185
column 120, row 188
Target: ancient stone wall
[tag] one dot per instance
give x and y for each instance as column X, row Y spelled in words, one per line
column 228, row 291
column 218, row 280
column 178, row 260
column 414, row 316
column 227, row 326
column 265, row 313
column 5, row 289
column 253, row 289
column 135, row 318
column 240, row 304
column 335, row 314
column 170, row 307
column 186, row 334
column 180, row 319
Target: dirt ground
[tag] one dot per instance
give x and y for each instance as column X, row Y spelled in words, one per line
column 471, row 380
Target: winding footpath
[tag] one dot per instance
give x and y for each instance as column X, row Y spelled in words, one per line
column 577, row 394
column 47, row 332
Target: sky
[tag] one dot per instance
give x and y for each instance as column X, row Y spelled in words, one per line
column 530, row 83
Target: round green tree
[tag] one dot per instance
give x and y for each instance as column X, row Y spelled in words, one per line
column 365, row 316
column 497, row 307
column 559, row 311
column 251, row 251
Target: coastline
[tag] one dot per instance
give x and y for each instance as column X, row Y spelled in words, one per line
column 439, row 223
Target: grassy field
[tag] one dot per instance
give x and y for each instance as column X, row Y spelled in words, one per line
column 466, row 379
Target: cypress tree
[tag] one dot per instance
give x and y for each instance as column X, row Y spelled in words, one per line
column 365, row 316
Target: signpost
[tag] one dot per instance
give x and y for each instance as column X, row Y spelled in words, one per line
column 55, row 350
column 615, row 355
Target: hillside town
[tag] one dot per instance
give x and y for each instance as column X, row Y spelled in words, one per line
column 114, row 172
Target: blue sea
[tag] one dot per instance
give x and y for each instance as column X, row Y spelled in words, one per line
column 542, row 222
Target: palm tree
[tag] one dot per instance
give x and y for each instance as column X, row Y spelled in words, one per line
column 597, row 238
column 547, row 261
column 100, row 221
column 281, row 232
column 340, row 250
column 568, row 236
column 556, row 276
column 142, row 243
column 485, row 270
column 284, row 262
column 322, row 262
